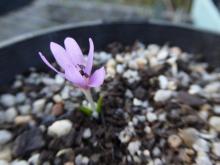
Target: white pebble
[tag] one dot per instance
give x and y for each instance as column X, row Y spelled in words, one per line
column 57, row 98
column 5, row 136
column 24, row 109
column 151, row 117
column 163, row 82
column 201, row 145
column 216, row 148
column 60, row 128
column 38, row 105
column 213, row 87
column 133, row 147
column 19, row 162
column 195, row 89
column 216, row 109
column 162, row 95
column 8, row 100
column 3, row 162
column 65, row 92
column 119, row 68
column 34, row 159
column 20, row 98
column 214, row 122
column 87, row 133
column 10, row 115
column 59, row 79
column 203, row 159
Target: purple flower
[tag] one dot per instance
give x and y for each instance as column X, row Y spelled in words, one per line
column 76, row 68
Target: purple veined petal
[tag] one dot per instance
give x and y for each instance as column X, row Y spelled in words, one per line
column 74, row 51
column 49, row 65
column 89, row 63
column 97, row 77
column 73, row 75
column 60, row 55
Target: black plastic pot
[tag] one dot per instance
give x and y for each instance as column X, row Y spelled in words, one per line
column 18, row 55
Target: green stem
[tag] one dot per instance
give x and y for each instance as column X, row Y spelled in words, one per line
column 88, row 95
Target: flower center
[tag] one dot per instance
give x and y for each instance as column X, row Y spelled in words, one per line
column 81, row 70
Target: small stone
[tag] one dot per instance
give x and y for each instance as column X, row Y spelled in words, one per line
column 111, row 63
column 20, row 120
column 126, row 134
column 162, row 95
column 133, row 147
column 201, row 145
column 57, row 109
column 156, row 152
column 59, row 80
column 34, row 159
column 19, row 162
column 195, row 89
column 87, row 133
column 5, row 136
column 28, row 141
column 163, row 82
column 146, row 153
column 151, row 117
column 60, row 128
column 163, row 53
column 10, row 115
column 203, row 159
column 85, row 160
column 213, row 87
column 38, row 106
column 137, row 102
column 191, row 100
column 214, row 122
column 78, row 159
column 216, row 109
column 140, row 93
column 128, row 93
column 24, row 109
column 6, row 154
column 119, row 68
column 20, row 98
column 141, row 63
column 8, row 100
column 69, row 163
column 216, row 148
column 3, row 162
column 174, row 141
column 65, row 93
column 189, row 136
column 2, row 117
column 57, row 98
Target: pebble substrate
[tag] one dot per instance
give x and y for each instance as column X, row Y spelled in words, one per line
column 161, row 106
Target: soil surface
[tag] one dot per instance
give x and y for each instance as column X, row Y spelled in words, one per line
column 161, row 106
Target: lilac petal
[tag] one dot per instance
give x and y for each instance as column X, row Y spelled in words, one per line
column 60, row 55
column 74, row 51
column 73, row 75
column 88, row 68
column 48, row 64
column 97, row 77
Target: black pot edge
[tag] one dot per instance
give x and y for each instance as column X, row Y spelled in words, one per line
column 30, row 35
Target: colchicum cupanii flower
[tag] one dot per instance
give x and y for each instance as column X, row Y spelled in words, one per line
column 77, row 69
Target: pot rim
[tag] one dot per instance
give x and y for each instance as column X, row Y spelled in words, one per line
column 30, row 35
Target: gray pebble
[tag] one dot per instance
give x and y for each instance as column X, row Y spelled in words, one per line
column 8, row 100
column 5, row 136
column 10, row 115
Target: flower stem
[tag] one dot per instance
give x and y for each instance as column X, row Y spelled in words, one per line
column 88, row 95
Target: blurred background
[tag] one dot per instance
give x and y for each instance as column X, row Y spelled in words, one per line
column 18, row 17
